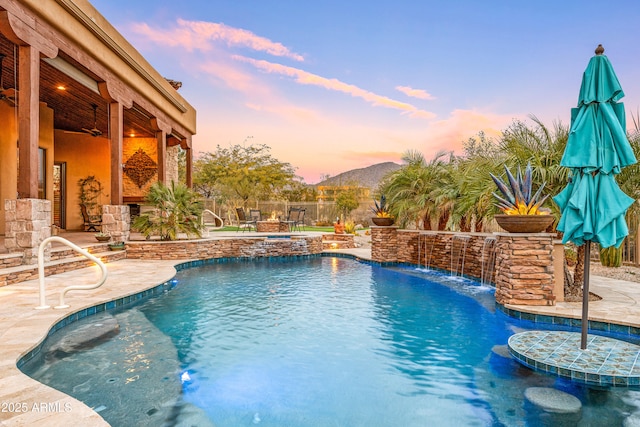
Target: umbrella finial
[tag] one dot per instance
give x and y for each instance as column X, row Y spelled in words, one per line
column 599, row 50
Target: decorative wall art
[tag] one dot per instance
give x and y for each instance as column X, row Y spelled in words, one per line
column 140, row 168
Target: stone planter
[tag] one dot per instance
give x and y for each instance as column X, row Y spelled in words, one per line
column 524, row 223
column 383, row 221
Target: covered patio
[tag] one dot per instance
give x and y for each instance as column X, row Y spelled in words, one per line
column 84, row 115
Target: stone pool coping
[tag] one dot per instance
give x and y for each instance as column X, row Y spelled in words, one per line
column 22, row 328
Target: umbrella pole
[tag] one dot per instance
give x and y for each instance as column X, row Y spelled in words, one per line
column 585, row 296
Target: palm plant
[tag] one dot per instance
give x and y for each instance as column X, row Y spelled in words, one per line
column 476, row 202
column 177, row 209
column 413, row 190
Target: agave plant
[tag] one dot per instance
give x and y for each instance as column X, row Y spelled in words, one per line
column 380, row 209
column 517, row 197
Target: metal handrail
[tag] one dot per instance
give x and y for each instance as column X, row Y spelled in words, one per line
column 78, row 249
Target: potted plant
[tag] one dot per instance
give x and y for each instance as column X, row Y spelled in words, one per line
column 522, row 209
column 338, row 227
column 102, row 237
column 116, row 246
column 381, row 211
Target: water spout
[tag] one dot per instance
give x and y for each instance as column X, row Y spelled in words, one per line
column 458, row 253
column 488, row 262
column 429, row 243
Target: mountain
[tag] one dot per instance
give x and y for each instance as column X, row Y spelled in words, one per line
column 368, row 177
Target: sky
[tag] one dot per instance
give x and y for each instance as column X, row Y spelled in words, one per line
column 335, row 85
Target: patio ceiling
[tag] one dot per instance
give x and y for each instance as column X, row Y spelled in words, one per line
column 72, row 100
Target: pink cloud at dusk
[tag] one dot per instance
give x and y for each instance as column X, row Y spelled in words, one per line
column 264, row 108
column 415, row 93
column 194, row 35
column 306, row 78
column 450, row 133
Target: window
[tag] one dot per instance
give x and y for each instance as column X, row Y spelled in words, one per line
column 42, row 173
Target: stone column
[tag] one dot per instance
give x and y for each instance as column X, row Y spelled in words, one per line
column 28, row 223
column 116, row 220
column 524, row 269
column 384, row 243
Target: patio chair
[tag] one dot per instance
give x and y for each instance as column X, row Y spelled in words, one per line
column 299, row 224
column 91, row 222
column 292, row 217
column 244, row 222
column 255, row 215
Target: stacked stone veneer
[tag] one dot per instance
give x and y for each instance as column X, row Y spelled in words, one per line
column 523, row 271
column 28, row 223
column 116, row 220
column 236, row 247
column 272, row 227
column 384, row 244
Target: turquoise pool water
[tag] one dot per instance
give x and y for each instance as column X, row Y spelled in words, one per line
column 313, row 342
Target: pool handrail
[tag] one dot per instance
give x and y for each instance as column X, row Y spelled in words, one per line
column 45, row 242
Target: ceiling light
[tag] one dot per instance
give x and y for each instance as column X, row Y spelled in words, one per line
column 61, row 87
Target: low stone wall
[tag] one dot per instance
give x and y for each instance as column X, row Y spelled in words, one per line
column 520, row 265
column 235, row 247
column 272, row 227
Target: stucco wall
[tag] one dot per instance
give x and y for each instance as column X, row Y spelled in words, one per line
column 84, row 155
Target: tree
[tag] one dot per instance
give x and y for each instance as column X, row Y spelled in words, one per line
column 347, row 200
column 414, row 191
column 298, row 191
column 239, row 174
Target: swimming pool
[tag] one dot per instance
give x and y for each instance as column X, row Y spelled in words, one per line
column 310, row 342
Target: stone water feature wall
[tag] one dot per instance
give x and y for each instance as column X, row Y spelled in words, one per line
column 235, row 247
column 520, row 265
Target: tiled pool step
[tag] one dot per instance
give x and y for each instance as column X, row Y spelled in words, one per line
column 605, row 362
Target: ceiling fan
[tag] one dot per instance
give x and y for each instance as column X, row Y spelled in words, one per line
column 95, row 131
column 7, row 95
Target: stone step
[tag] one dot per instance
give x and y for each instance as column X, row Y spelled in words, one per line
column 337, row 244
column 10, row 260
column 66, row 252
column 338, row 241
column 74, row 261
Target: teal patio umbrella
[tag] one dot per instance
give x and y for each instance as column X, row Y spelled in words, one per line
column 593, row 206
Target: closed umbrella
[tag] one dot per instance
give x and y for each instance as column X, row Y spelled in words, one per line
column 593, row 206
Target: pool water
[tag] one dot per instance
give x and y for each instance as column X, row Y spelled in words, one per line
column 313, row 342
